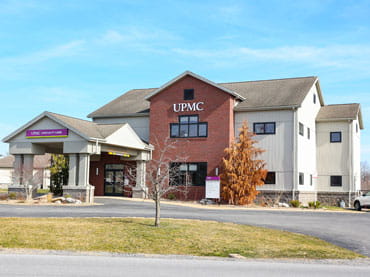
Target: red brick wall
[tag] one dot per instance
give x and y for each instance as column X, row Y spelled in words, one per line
column 218, row 112
column 98, row 180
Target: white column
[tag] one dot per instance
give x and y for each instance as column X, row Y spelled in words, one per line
column 140, row 174
column 140, row 190
column 27, row 169
column 17, row 174
column 83, row 170
column 72, row 173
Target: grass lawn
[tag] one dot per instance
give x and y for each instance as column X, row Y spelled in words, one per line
column 187, row 237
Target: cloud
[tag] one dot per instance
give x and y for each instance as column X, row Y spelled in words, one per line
column 64, row 50
column 339, row 56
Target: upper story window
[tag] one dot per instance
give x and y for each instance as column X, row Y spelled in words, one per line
column 301, row 129
column 335, row 136
column 264, row 128
column 356, row 127
column 188, row 94
column 314, row 98
column 308, row 133
column 188, row 127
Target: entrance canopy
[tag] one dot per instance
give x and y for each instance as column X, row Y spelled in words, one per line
column 82, row 141
column 56, row 133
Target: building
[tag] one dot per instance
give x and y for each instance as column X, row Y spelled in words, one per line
column 312, row 150
column 41, row 170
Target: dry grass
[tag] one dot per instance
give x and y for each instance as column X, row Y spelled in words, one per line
column 188, row 237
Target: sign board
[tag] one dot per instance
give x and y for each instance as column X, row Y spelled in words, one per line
column 213, row 187
column 47, row 133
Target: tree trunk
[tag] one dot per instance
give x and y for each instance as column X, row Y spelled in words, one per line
column 157, row 211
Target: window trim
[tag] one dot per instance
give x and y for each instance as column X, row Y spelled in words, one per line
column 188, row 90
column 198, row 123
column 340, row 137
column 299, row 178
column 264, row 128
column 274, row 178
column 301, row 129
column 332, row 181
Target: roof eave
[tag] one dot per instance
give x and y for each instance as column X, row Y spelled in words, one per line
column 246, row 109
column 169, row 83
column 120, row 115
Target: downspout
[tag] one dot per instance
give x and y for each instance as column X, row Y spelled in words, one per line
column 350, row 184
column 295, row 152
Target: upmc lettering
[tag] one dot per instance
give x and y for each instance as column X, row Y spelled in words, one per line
column 188, row 107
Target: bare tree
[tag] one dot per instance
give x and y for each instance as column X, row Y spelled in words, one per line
column 365, row 176
column 163, row 174
column 29, row 179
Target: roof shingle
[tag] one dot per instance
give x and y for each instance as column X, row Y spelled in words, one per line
column 258, row 94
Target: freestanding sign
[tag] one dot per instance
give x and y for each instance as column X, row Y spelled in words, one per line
column 213, row 187
column 47, row 133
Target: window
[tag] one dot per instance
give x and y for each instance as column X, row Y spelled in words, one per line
column 335, row 136
column 311, row 182
column 270, row 178
column 188, row 127
column 308, row 133
column 356, row 127
column 264, row 128
column 301, row 129
column 301, row 178
column 314, row 98
column 188, row 94
column 193, row 174
column 335, row 181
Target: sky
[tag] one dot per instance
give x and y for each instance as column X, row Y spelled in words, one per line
column 72, row 57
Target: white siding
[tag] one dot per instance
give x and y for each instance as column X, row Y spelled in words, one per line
column 140, row 124
column 306, row 147
column 279, row 147
column 333, row 158
column 5, row 176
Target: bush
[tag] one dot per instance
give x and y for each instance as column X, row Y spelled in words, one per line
column 12, row 195
column 171, row 196
column 295, row 203
column 314, row 204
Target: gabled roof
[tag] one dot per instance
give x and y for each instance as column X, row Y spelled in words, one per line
column 86, row 129
column 278, row 93
column 39, row 162
column 189, row 73
column 265, row 94
column 340, row 112
column 132, row 102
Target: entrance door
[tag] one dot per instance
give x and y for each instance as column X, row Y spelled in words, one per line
column 113, row 180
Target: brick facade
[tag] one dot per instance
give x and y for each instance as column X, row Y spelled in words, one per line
column 218, row 113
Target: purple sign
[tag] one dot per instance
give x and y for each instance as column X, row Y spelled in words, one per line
column 212, row 178
column 47, row 133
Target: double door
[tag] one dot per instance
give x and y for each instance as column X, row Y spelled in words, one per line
column 114, row 180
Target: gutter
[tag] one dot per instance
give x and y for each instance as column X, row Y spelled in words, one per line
column 295, row 152
column 241, row 109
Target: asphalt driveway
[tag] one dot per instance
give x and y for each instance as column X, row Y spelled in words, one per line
column 349, row 230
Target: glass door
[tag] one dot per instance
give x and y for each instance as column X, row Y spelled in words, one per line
column 113, row 180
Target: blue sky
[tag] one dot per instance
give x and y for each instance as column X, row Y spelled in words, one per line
column 71, row 57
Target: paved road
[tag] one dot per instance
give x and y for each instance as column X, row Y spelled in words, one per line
column 349, row 230
column 44, row 265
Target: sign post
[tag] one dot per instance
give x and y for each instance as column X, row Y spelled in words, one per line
column 213, row 187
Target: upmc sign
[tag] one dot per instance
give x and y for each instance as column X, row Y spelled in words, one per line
column 188, row 107
column 48, row 133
